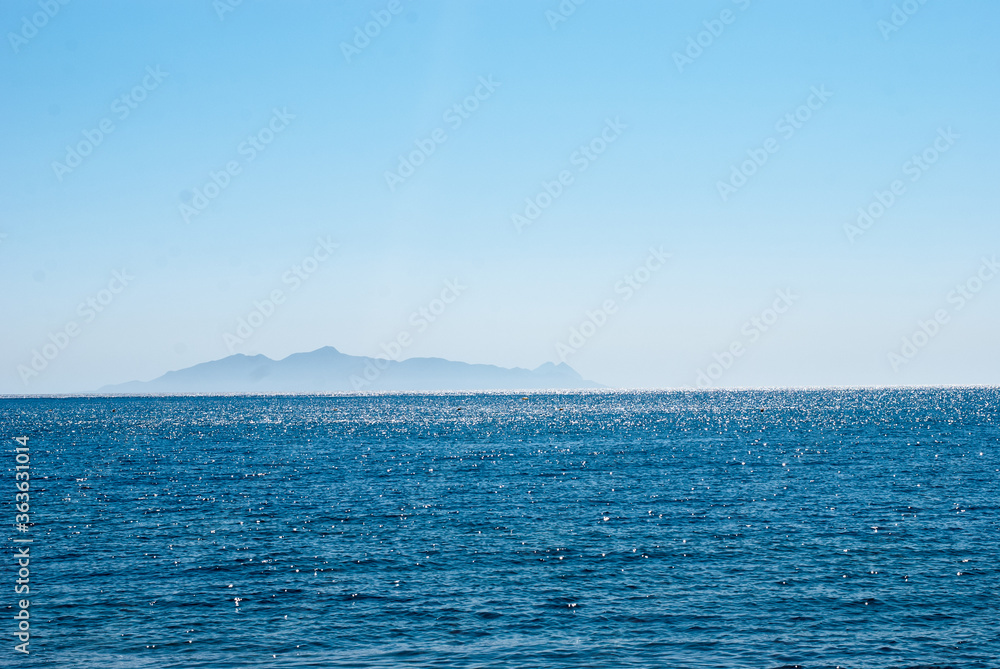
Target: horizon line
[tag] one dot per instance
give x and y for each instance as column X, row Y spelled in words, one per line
column 521, row 392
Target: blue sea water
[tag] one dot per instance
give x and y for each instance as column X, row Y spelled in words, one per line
column 813, row 528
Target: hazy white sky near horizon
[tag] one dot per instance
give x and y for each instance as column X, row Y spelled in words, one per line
column 309, row 128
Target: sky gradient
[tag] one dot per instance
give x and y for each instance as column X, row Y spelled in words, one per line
column 685, row 177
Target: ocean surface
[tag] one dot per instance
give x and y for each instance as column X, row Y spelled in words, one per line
column 813, row 528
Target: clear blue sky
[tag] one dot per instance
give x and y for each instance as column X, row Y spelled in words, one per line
column 188, row 89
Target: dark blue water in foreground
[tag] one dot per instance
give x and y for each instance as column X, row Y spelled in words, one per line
column 852, row 528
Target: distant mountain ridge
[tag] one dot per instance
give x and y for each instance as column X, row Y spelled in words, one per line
column 327, row 370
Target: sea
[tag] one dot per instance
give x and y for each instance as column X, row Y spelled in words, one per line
column 813, row 528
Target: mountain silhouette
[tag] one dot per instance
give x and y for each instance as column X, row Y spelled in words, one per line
column 327, row 370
